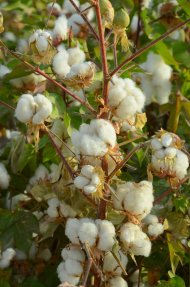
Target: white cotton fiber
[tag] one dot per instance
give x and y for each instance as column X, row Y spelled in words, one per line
column 4, row 177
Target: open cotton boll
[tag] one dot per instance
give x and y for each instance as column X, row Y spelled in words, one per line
column 117, row 281
column 43, row 109
column 106, row 232
column 126, row 108
column 88, row 232
column 155, row 229
column 41, row 39
column 72, row 230
column 87, row 170
column 68, row 7
column 41, row 173
column 74, row 253
column 110, row 264
column 81, row 181
column 6, row 256
column 93, row 146
column 54, row 8
column 80, row 69
column 135, row 240
column 150, row 219
column 60, row 63
column 75, row 22
column 76, row 56
column 65, row 277
column 73, row 267
column 25, row 108
column 3, row 71
column 156, row 144
column 134, row 24
column 52, row 209
column 4, row 177
column 104, row 130
column 181, row 164
column 60, row 28
column 116, row 95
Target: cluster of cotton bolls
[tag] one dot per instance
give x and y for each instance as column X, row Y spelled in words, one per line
column 58, row 208
column 43, row 174
column 94, row 139
column 155, row 81
column 154, row 227
column 70, row 65
column 134, row 240
column 5, row 257
column 125, row 100
column 134, row 198
column 97, row 233
column 113, row 270
column 167, row 157
column 72, row 266
column 4, row 177
column 34, row 109
column 90, row 180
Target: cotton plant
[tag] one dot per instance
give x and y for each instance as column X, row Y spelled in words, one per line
column 93, row 176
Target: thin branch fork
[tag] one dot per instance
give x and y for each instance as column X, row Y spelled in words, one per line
column 151, row 44
column 40, row 72
column 85, row 19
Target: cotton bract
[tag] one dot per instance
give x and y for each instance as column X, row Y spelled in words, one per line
column 4, row 177
column 35, row 109
column 134, row 240
column 71, row 268
column 94, row 139
column 135, row 198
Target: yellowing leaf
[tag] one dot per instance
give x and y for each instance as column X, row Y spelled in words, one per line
column 141, row 120
column 1, row 23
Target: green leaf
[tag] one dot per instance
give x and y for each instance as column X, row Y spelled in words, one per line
column 32, row 282
column 185, row 5
column 27, row 154
column 173, row 282
column 4, row 283
column 19, row 71
column 166, row 54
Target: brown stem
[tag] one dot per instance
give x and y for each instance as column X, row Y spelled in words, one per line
column 103, row 52
column 140, row 51
column 125, row 160
column 59, row 152
column 85, row 19
column 163, row 195
column 7, row 105
column 38, row 71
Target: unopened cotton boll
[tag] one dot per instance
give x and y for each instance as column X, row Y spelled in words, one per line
column 25, row 108
column 117, row 281
column 76, row 56
column 60, row 64
column 135, row 240
column 4, row 177
column 61, row 28
column 155, row 229
column 110, row 264
column 72, row 229
column 3, row 71
column 5, row 257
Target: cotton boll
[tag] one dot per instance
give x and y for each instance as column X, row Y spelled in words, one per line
column 22, row 46
column 134, row 24
column 106, row 235
column 156, row 144
column 54, row 7
column 170, row 152
column 72, row 229
column 88, row 232
column 76, row 56
column 25, row 108
column 61, row 27
column 87, row 171
column 3, row 71
column 9, row 36
column 89, row 189
column 92, row 145
column 111, row 265
column 126, row 108
column 66, row 210
column 160, row 154
column 65, row 277
column 80, row 69
column 119, row 198
column 43, row 109
column 6, row 257
column 150, row 219
column 81, row 181
column 163, row 92
column 4, row 177
column 75, row 22
column 116, row 95
column 52, row 209
column 104, row 130
column 142, row 246
column 60, row 64
column 40, row 38
column 41, row 173
column 69, row 8
column 181, row 164
column 166, row 139
column 155, row 229
column 73, row 253
column 117, row 281
column 73, row 267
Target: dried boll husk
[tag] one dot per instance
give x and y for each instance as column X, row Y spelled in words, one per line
column 107, row 12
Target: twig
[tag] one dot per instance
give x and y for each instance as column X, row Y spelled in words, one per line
column 103, row 52
column 163, row 195
column 151, row 44
column 85, row 19
column 38, row 71
column 7, row 105
column 125, row 160
column 59, row 152
column 90, row 262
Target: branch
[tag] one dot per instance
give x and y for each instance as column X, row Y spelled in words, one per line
column 142, row 50
column 125, row 160
column 103, row 52
column 59, row 152
column 38, row 71
column 85, row 19
column 7, row 105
